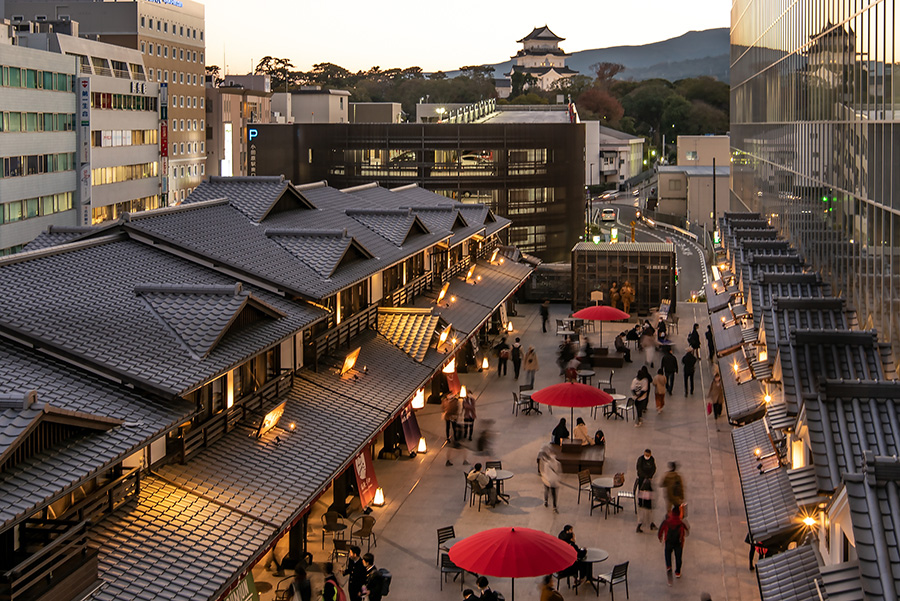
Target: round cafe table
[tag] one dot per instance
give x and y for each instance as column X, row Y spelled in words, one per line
column 585, row 375
column 499, row 476
column 592, row 556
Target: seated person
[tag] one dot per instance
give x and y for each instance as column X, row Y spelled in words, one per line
column 580, row 569
column 634, row 333
column 580, row 433
column 599, row 438
column 622, row 348
column 481, row 481
column 560, row 432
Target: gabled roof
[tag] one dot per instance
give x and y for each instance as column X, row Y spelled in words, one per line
column 410, row 330
column 324, row 251
column 255, row 197
column 727, row 329
column 541, row 33
column 201, row 315
column 394, row 225
column 847, row 419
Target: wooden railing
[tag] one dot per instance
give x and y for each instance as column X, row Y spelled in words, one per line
column 487, row 248
column 106, row 499
column 410, row 291
column 48, row 565
column 342, row 334
column 225, row 421
column 461, row 267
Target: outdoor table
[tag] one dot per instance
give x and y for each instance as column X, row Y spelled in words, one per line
column 499, row 476
column 613, row 409
column 608, row 483
column 585, row 375
column 592, row 556
column 530, row 406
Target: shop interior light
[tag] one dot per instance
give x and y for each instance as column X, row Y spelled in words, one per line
column 763, row 355
column 444, row 335
column 418, row 401
column 450, row 367
column 350, row 360
column 443, row 292
column 423, row 448
column 378, row 501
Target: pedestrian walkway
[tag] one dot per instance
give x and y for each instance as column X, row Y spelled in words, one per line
column 423, row 493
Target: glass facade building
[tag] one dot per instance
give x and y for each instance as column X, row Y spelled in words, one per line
column 816, row 138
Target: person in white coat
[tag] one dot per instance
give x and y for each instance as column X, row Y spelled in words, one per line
column 549, row 470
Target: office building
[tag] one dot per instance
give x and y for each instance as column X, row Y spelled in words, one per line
column 692, row 194
column 312, row 104
column 612, row 156
column 38, row 181
column 815, row 138
column 118, row 121
column 170, row 36
column 230, row 110
column 525, row 165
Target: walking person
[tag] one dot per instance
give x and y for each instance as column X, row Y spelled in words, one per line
column 545, row 315
column 660, row 383
column 531, row 365
column 503, row 355
column 468, row 413
column 548, row 593
column 670, row 367
column 674, row 485
column 549, row 470
column 716, row 396
column 709, row 343
column 300, row 589
column 449, row 413
column 694, row 340
column 516, row 355
column 640, row 388
column 689, row 361
column 645, row 469
column 672, row 532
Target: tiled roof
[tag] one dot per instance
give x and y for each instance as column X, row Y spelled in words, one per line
column 727, row 335
column 323, row 251
column 474, row 214
column 772, row 511
column 752, row 273
column 810, row 357
column 255, row 197
column 410, row 330
column 541, row 33
column 788, row 314
column 781, row 285
column 173, row 544
column 394, row 225
column 874, row 501
column 744, row 398
column 789, row 576
column 80, row 301
column 45, row 477
column 805, row 486
column 842, row 582
column 845, row 420
column 718, row 297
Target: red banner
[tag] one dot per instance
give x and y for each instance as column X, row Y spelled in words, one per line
column 365, row 478
column 163, row 139
column 453, row 382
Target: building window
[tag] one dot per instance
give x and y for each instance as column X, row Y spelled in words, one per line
column 151, row 48
column 202, row 169
column 201, row 123
column 181, row 31
column 166, row 27
column 174, row 149
column 143, row 48
column 166, row 52
column 201, row 102
column 151, row 23
column 195, row 56
column 181, row 54
column 158, row 25
column 201, row 37
column 202, row 146
column 142, row 21
column 195, row 78
column 691, row 155
column 182, row 152
column 181, row 76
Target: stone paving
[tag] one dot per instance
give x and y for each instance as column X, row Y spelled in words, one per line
column 423, row 493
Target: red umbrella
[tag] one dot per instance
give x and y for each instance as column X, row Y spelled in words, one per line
column 601, row 313
column 571, row 394
column 512, row 553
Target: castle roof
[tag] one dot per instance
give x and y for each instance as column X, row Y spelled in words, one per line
column 542, row 33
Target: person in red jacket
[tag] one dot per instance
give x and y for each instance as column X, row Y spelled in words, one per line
column 672, row 531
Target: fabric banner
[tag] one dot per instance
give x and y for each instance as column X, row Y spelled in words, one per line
column 366, row 482
column 410, row 428
column 453, row 382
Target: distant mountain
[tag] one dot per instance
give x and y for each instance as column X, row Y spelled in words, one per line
column 690, row 55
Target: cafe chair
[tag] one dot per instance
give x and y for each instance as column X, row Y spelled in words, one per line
column 341, row 549
column 600, row 497
column 467, row 486
column 333, row 524
column 562, row 329
column 520, row 403
column 364, row 531
column 477, row 491
column 447, row 568
column 629, row 408
column 618, row 575
column 606, row 408
column 584, row 483
column 497, row 465
column 607, row 383
column 443, row 535
column 628, row 494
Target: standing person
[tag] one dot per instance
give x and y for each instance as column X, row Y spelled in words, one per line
column 332, row 590
column 645, row 467
column 560, row 432
column 547, row 591
column 645, row 505
column 502, row 349
column 648, row 345
column 516, row 354
column 549, row 470
column 672, row 531
column 694, row 340
column 374, row 579
column 301, row 589
column 485, row 587
column 468, row 413
column 709, row 342
column 716, row 396
column 660, row 384
column 670, row 367
column 640, row 388
column 356, row 573
column 690, row 363
column 545, row 315
column 531, row 365
column 674, row 486
column 450, row 413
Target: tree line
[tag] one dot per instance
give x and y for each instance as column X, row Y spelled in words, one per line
column 650, row 108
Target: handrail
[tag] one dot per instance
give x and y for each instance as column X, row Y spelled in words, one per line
column 413, row 288
column 20, row 569
column 343, row 332
column 453, row 270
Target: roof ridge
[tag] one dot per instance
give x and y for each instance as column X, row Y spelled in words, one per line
column 28, row 255
column 217, row 289
column 368, row 186
column 268, row 179
column 377, row 211
column 200, row 204
column 310, row 186
column 297, row 232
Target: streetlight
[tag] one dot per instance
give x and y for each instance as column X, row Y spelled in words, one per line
column 440, row 111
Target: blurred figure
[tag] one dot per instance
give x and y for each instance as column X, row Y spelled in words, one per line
column 531, row 365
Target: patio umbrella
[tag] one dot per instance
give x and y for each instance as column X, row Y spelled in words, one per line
column 512, row 553
column 601, row 313
column 571, row 395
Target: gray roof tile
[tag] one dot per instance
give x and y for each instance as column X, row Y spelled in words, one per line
column 744, row 398
column 255, row 197
column 789, row 576
column 788, row 314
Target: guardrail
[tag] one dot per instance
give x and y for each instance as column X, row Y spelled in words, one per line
column 345, row 331
column 410, row 291
column 454, row 270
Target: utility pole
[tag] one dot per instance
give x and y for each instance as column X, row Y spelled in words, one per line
column 714, row 218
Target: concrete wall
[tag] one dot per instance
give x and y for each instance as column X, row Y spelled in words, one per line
column 702, row 150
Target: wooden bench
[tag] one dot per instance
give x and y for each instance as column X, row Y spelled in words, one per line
column 614, row 360
column 576, row 457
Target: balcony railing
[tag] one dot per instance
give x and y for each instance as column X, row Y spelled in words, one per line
column 106, row 499
column 225, row 421
column 342, row 334
column 410, row 291
column 461, row 266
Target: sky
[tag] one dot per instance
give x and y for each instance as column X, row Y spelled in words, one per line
column 358, row 35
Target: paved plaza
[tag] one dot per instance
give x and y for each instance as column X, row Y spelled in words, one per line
column 423, row 493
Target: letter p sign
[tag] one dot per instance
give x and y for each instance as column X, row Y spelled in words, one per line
column 252, row 133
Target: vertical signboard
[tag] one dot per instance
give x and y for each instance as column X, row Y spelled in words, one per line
column 83, row 85
column 164, row 144
column 252, row 133
column 365, row 478
column 411, row 431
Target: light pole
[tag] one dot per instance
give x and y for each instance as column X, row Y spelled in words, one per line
column 440, row 111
